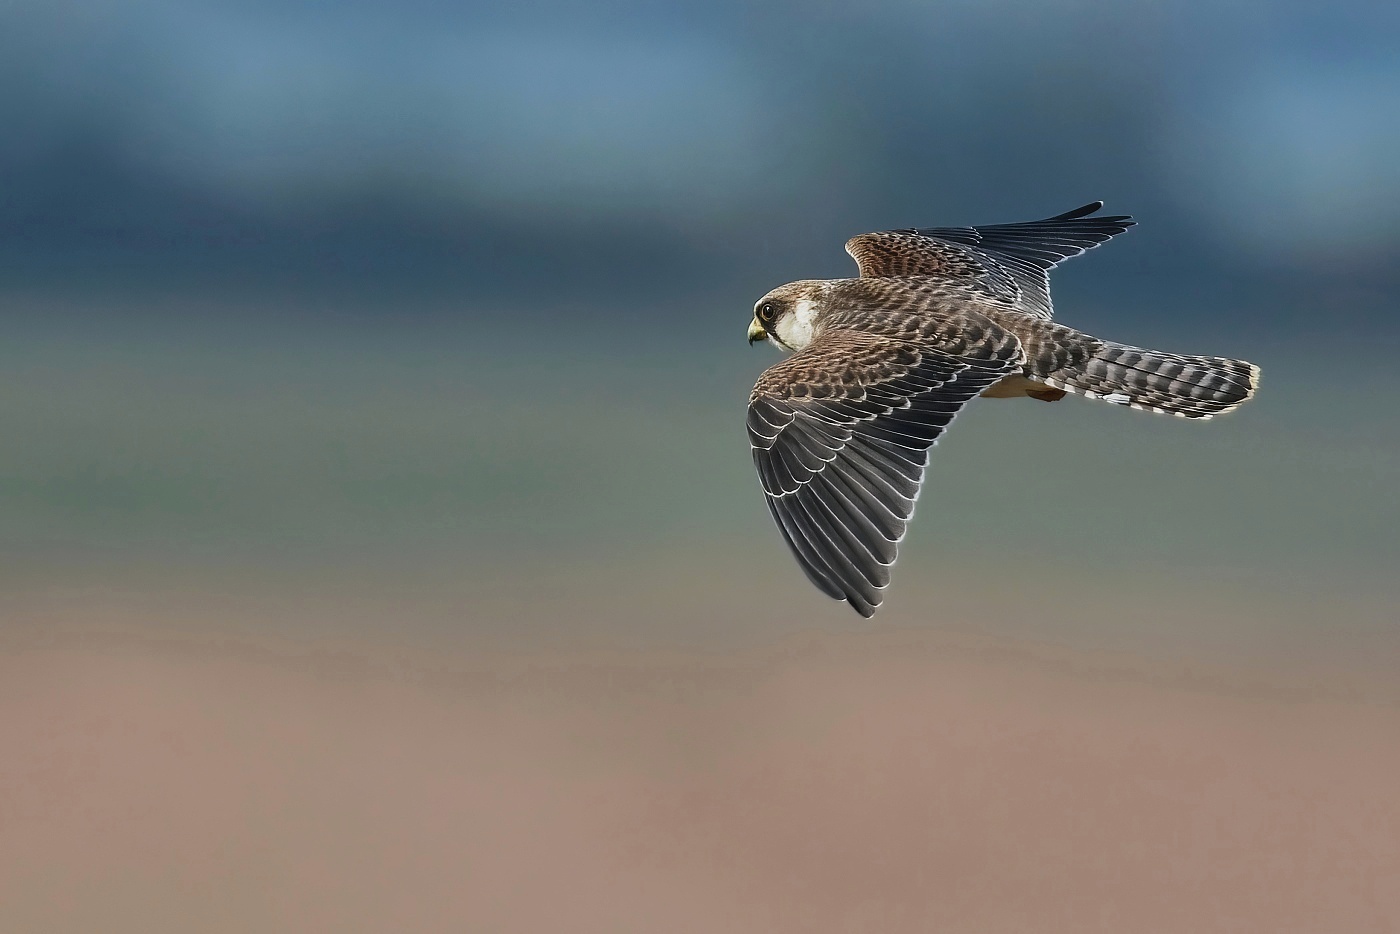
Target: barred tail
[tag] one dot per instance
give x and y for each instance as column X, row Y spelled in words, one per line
column 1185, row 385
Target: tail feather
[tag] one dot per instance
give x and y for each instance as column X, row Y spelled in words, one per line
column 1185, row 385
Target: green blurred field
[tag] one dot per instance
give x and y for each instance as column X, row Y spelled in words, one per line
column 477, row 482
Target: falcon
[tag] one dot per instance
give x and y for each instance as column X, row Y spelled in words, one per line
column 881, row 364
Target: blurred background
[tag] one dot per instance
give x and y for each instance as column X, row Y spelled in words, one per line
column 415, row 330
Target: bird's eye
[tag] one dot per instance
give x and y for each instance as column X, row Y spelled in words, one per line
column 767, row 312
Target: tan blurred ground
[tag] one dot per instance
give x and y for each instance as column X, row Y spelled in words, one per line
column 875, row 781
column 309, row 633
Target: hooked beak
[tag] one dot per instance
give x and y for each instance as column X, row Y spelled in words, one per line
column 756, row 332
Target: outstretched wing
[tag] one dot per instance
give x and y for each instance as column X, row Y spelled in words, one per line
column 840, row 434
column 1008, row 263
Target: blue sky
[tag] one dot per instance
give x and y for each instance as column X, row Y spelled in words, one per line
column 1259, row 138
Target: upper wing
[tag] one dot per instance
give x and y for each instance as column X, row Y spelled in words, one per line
column 840, row 434
column 1008, row 263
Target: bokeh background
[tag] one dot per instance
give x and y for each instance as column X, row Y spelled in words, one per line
column 381, row 548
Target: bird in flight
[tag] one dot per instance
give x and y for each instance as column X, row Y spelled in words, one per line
column 841, row 429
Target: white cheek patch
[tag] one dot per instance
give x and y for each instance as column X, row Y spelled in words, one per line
column 796, row 329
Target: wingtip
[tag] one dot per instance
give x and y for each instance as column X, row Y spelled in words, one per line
column 1079, row 212
column 1114, row 223
column 1122, row 220
column 864, row 609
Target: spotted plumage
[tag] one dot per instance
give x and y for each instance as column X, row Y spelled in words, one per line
column 882, row 363
column 1005, row 264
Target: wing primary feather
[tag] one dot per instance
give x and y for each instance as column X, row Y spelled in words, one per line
column 1077, row 213
column 852, row 578
column 873, row 474
column 890, row 520
column 872, row 538
column 843, row 574
column 855, row 529
column 807, row 558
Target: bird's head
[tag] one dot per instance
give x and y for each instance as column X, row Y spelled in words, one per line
column 787, row 316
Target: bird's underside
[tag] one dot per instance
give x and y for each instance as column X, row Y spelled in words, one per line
column 841, row 429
